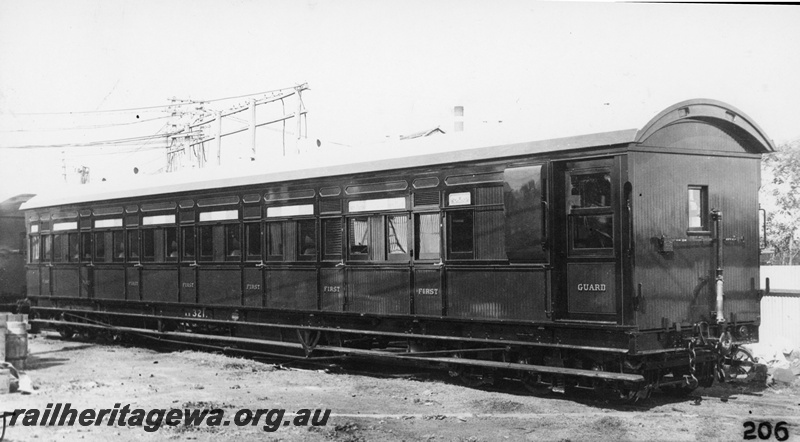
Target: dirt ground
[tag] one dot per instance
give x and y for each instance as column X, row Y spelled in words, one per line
column 366, row 403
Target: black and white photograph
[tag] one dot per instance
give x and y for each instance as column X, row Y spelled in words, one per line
column 355, row 221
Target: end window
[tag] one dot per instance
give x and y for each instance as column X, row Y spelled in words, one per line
column 698, row 209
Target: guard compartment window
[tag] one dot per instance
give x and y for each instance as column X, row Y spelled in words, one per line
column 591, row 216
column 698, row 208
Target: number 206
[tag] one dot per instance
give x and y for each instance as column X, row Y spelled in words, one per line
column 764, row 430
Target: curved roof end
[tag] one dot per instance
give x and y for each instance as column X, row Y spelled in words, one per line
column 714, row 112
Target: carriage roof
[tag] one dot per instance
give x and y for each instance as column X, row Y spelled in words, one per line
column 421, row 152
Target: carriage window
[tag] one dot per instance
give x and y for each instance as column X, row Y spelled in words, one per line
column 307, row 239
column 171, row 243
column 119, row 245
column 149, row 245
column 86, row 246
column 58, row 251
column 359, row 236
column 275, row 241
column 524, row 216
column 133, row 245
column 206, row 243
column 427, row 241
column 593, row 232
column 188, row 243
column 100, row 247
column 460, row 229
column 47, row 248
column 586, row 190
column 698, row 208
column 73, row 245
column 253, row 233
column 332, row 238
column 397, row 234
column 233, row 243
column 35, row 248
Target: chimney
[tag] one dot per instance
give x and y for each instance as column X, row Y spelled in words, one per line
column 458, row 118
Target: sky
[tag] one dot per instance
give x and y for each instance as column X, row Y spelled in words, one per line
column 375, row 70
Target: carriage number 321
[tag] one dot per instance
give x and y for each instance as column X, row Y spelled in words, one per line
column 195, row 313
column 764, row 431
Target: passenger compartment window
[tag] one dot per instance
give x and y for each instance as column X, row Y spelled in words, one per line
column 291, row 241
column 233, row 243
column 253, row 241
column 100, row 252
column 133, row 245
column 525, row 223
column 379, row 238
column 73, row 244
column 119, row 245
column 360, row 237
column 307, row 239
column 188, row 244
column 332, row 239
column 427, row 241
column 160, row 244
column 206, row 243
column 47, row 248
column 35, row 248
column 58, row 250
column 460, row 229
column 397, row 234
column 86, row 246
column 149, row 245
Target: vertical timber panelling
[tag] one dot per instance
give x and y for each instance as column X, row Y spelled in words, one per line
column 292, row 288
column 679, row 286
column 497, row 294
column 379, row 290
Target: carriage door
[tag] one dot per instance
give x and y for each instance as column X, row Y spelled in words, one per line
column 586, row 241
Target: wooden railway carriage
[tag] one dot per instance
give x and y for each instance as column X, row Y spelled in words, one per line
column 587, row 261
column 12, row 253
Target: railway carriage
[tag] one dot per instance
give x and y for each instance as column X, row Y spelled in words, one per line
column 12, row 253
column 624, row 260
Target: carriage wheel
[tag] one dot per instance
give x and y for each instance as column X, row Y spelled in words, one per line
column 739, row 365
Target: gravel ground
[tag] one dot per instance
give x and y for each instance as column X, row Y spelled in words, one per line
column 366, row 403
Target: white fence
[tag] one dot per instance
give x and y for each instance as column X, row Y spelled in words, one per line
column 780, row 311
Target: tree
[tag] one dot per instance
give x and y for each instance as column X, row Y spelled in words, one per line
column 780, row 197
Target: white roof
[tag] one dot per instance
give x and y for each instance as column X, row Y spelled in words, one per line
column 420, row 152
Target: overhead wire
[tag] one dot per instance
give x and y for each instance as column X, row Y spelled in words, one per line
column 155, row 107
column 98, row 126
